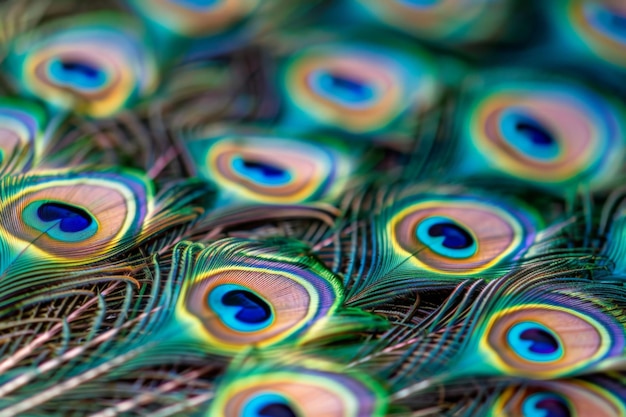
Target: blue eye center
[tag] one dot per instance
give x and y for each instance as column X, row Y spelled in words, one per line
column 544, row 404
column 346, row 86
column 343, row 89
column 77, row 73
column 71, row 219
column 535, row 132
column 277, row 410
column 240, row 308
column 534, row 342
column 618, row 21
column 261, row 172
column 446, row 237
column 196, row 3
column 542, row 341
column 528, row 135
column 266, row 170
column 607, row 21
column 85, row 70
column 253, row 309
column 419, row 3
column 455, row 237
column 268, row 404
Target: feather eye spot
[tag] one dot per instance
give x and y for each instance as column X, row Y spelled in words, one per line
column 548, row 340
column 241, row 305
column 458, row 234
column 82, row 217
column 359, row 88
column 269, row 169
column 315, row 388
column 563, row 398
column 544, row 132
column 534, row 342
column 545, row 404
column 95, row 66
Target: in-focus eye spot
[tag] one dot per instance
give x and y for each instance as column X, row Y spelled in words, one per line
column 71, row 219
column 549, row 339
column 79, row 217
column 242, row 299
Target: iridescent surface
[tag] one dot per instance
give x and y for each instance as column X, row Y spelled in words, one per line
column 325, row 208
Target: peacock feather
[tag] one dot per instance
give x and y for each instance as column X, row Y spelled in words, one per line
column 546, row 132
column 23, row 124
column 296, row 386
column 335, row 208
column 359, row 86
column 279, row 169
column 449, row 22
column 96, row 65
